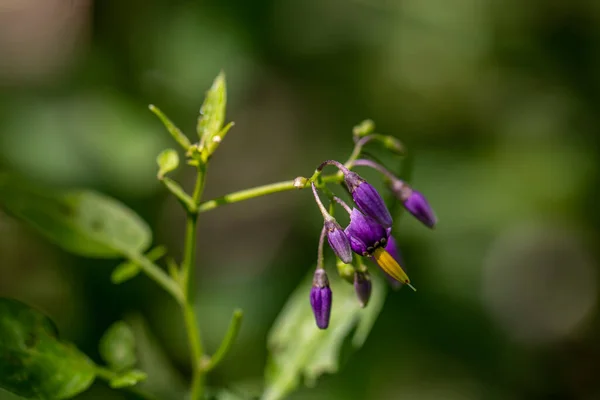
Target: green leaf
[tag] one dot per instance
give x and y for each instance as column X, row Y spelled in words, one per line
column 223, row 394
column 299, row 349
column 117, row 347
column 124, row 272
column 216, row 140
column 167, row 160
column 212, row 113
column 173, row 130
column 129, row 269
column 34, row 363
column 80, row 221
column 164, row 381
column 127, row 379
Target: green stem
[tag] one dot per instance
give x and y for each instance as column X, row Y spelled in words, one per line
column 158, row 275
column 189, row 252
column 259, row 191
column 193, row 332
column 179, row 193
column 228, row 340
column 187, row 266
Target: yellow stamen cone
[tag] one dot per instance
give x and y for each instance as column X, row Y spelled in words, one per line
column 391, row 266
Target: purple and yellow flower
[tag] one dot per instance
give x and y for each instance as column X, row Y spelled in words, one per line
column 367, row 199
column 368, row 238
column 321, row 298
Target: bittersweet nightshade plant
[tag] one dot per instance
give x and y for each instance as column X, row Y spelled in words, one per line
column 93, row 225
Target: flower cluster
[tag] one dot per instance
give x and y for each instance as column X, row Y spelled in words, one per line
column 367, row 235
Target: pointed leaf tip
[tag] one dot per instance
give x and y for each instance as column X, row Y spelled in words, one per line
column 212, row 115
column 173, row 130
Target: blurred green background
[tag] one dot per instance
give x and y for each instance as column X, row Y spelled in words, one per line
column 496, row 100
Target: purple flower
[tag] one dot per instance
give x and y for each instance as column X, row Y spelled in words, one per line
column 321, row 298
column 365, row 234
column 368, row 238
column 415, row 203
column 338, row 241
column 367, row 199
column 362, row 287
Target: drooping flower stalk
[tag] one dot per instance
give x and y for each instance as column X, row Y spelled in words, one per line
column 412, row 200
column 321, row 296
column 365, row 196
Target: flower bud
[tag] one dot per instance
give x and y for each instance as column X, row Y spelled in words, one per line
column 394, row 145
column 362, row 287
column 321, row 298
column 364, row 128
column 345, row 271
column 338, row 240
column 367, row 199
column 414, row 202
column 300, row 182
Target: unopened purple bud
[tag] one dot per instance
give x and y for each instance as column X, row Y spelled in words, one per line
column 367, row 199
column 415, row 203
column 321, row 298
column 338, row 240
column 362, row 287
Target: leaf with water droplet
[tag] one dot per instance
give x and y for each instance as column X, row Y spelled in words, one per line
column 212, row 117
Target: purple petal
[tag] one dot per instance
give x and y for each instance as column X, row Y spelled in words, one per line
column 369, row 201
column 364, row 233
column 321, row 299
column 417, row 205
column 338, row 241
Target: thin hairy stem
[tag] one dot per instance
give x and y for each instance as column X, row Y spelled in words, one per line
column 376, row 166
column 343, row 204
column 319, row 202
column 320, row 256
